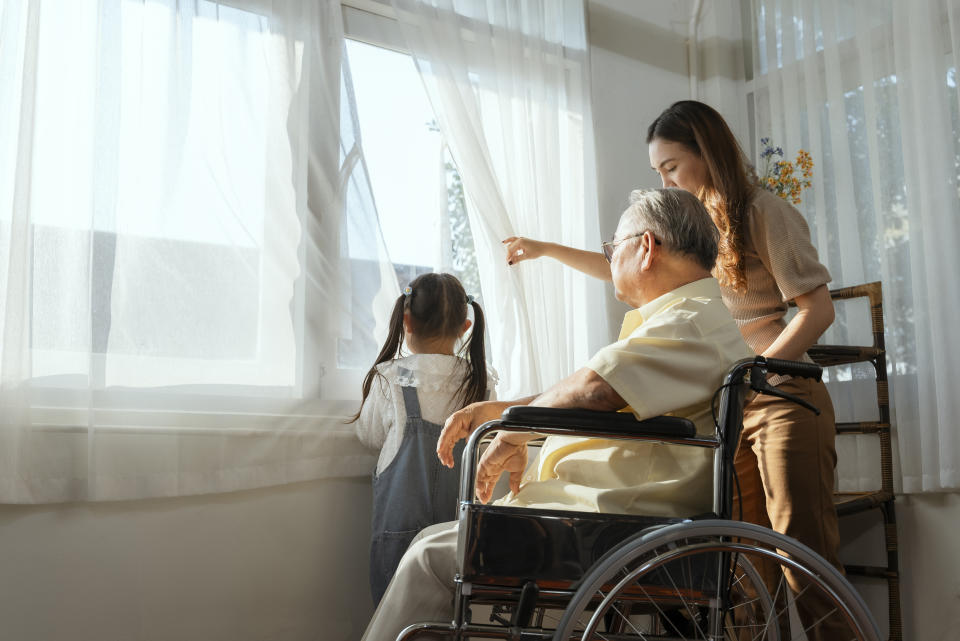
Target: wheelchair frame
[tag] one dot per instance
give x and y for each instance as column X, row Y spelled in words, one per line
column 550, row 578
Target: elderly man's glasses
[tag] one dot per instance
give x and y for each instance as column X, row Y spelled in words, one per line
column 610, row 246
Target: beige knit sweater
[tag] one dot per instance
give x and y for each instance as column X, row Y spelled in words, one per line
column 781, row 263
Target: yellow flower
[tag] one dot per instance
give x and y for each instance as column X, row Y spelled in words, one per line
column 785, row 178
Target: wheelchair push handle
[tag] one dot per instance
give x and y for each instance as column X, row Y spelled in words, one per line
column 791, row 368
column 762, row 366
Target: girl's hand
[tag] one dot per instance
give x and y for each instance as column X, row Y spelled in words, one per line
column 520, row 248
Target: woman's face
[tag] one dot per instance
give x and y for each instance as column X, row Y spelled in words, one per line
column 678, row 166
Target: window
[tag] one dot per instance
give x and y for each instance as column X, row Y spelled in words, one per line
column 844, row 100
column 165, row 239
column 167, row 249
column 157, row 224
column 416, row 187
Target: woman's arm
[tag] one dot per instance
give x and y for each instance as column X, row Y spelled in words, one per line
column 588, row 262
column 813, row 318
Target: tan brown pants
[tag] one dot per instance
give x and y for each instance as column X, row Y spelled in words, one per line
column 785, row 464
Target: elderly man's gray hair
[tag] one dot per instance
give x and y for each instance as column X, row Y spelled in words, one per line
column 678, row 219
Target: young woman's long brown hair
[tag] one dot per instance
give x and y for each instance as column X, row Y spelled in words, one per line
column 438, row 309
column 732, row 180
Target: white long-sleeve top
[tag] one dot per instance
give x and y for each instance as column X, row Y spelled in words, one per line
column 436, row 377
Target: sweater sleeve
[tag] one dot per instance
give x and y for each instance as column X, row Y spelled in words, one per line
column 376, row 417
column 781, row 239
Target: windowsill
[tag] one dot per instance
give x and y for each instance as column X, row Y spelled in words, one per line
column 71, row 454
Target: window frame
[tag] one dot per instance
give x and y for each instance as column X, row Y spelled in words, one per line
column 62, row 402
column 321, row 389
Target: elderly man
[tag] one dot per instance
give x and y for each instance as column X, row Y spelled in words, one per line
column 674, row 348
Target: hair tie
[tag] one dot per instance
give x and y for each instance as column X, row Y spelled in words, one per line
column 407, row 291
column 470, row 298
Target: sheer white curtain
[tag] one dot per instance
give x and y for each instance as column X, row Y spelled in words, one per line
column 508, row 83
column 190, row 262
column 870, row 89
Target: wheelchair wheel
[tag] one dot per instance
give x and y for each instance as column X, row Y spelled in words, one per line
column 715, row 580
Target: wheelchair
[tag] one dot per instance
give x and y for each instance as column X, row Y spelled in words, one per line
column 551, row 574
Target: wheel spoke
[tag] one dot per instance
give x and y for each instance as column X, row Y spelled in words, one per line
column 700, row 580
column 663, row 615
column 815, row 624
column 773, row 609
column 629, row 622
column 686, row 607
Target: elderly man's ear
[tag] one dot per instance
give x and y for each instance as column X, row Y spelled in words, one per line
column 648, row 247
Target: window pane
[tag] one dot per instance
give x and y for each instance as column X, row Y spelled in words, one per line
column 416, row 186
column 149, row 204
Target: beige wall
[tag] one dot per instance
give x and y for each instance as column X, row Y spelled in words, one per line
column 929, row 527
column 929, row 564
column 283, row 564
column 638, row 67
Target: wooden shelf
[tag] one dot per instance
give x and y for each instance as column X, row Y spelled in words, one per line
column 881, row 499
column 854, row 502
column 831, row 355
column 863, row 427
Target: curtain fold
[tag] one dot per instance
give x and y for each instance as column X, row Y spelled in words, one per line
column 508, row 82
column 870, row 89
column 190, row 257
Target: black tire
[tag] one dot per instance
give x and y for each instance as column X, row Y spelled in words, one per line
column 701, row 580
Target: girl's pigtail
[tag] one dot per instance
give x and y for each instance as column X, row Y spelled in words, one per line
column 474, row 387
column 390, row 349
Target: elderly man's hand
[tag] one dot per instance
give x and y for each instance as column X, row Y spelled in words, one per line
column 462, row 423
column 506, row 453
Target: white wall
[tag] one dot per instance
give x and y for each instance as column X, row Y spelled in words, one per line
column 639, row 64
column 638, row 67
column 284, row 564
column 290, row 563
column 930, row 566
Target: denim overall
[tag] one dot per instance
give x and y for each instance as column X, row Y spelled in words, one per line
column 414, row 491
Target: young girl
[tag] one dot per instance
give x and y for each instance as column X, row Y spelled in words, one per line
column 405, row 402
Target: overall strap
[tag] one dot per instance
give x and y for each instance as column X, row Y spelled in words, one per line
column 411, row 401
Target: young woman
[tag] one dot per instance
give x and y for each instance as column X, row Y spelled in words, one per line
column 786, row 458
column 405, row 401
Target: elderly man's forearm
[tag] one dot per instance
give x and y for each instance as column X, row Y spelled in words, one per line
column 584, row 389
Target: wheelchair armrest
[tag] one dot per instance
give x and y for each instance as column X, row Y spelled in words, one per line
column 607, row 422
column 572, row 422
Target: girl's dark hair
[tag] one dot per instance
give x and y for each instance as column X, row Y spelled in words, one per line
column 731, row 178
column 437, row 304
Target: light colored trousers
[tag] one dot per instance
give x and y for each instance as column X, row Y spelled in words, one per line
column 422, row 589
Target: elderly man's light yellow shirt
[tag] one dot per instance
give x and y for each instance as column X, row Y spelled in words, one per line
column 671, row 356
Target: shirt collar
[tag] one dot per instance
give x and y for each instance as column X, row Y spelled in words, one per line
column 703, row 288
